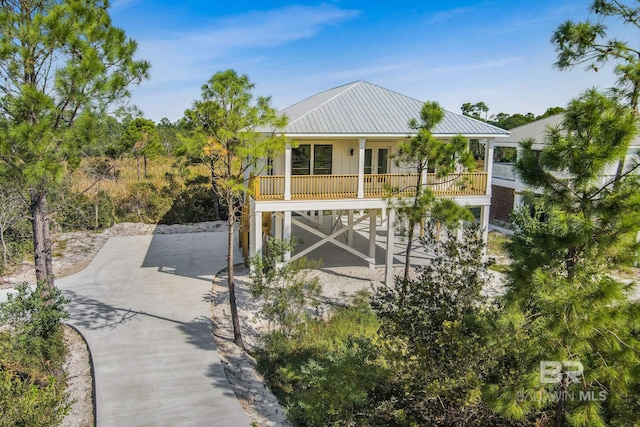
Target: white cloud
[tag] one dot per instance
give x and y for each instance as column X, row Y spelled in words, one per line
column 190, row 55
column 122, row 4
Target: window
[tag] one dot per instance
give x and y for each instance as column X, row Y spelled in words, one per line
column 301, row 160
column 368, row 158
column 322, row 155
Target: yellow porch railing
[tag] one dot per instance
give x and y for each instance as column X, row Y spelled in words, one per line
column 312, row 187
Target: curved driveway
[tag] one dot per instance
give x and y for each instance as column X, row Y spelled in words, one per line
column 143, row 306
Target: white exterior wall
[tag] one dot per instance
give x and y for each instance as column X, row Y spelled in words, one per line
column 343, row 163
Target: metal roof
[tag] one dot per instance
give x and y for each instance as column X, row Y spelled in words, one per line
column 538, row 131
column 362, row 108
column 535, row 130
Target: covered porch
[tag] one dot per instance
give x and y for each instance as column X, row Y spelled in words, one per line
column 307, row 187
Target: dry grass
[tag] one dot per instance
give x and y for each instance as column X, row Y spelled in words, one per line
column 125, row 173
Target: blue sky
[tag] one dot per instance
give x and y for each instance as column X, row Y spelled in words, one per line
column 448, row 51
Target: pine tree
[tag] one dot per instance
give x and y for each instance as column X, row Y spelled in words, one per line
column 423, row 152
column 562, row 303
column 60, row 60
column 225, row 121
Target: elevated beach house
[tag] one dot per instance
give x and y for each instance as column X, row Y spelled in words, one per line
column 341, row 165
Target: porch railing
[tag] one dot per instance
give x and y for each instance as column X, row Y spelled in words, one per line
column 311, row 187
column 506, row 171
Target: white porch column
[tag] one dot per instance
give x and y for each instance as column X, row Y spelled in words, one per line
column 252, row 231
column 362, row 142
column 372, row 237
column 484, row 224
column 257, row 231
column 286, row 232
column 350, row 232
column 488, row 163
column 388, row 266
column 287, row 172
column 278, row 231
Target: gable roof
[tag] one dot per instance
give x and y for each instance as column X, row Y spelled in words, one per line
column 364, row 109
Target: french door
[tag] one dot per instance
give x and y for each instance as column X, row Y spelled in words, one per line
column 376, row 161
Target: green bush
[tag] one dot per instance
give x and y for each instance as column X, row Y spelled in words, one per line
column 326, row 372
column 193, row 204
column 145, row 203
column 33, row 318
column 31, row 355
column 289, row 294
column 31, row 403
column 80, row 213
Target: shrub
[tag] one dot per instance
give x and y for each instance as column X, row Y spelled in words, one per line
column 435, row 330
column 193, row 204
column 33, row 318
column 326, row 372
column 31, row 355
column 288, row 292
column 80, row 212
column 26, row 403
column 143, row 204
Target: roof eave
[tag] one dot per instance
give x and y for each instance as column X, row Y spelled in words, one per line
column 388, row 135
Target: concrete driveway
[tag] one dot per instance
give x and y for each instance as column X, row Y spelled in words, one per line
column 143, row 306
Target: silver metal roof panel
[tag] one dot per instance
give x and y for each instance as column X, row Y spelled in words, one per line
column 362, row 108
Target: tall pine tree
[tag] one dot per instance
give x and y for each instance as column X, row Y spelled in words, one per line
column 562, row 303
column 225, row 122
column 424, row 152
column 60, row 60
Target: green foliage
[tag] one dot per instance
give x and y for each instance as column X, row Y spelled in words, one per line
column 31, row 353
column 24, row 403
column 435, row 330
column 561, row 304
column 326, row 372
column 192, row 204
column 287, row 290
column 79, row 213
column 33, row 318
column 590, row 214
column 586, row 43
column 62, row 63
column 144, row 203
column 225, row 134
column 475, row 110
column 444, row 157
column 502, row 120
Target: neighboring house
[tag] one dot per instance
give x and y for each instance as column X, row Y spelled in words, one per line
column 507, row 187
column 343, row 164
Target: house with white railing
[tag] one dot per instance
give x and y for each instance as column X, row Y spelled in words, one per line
column 339, row 164
column 506, row 186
